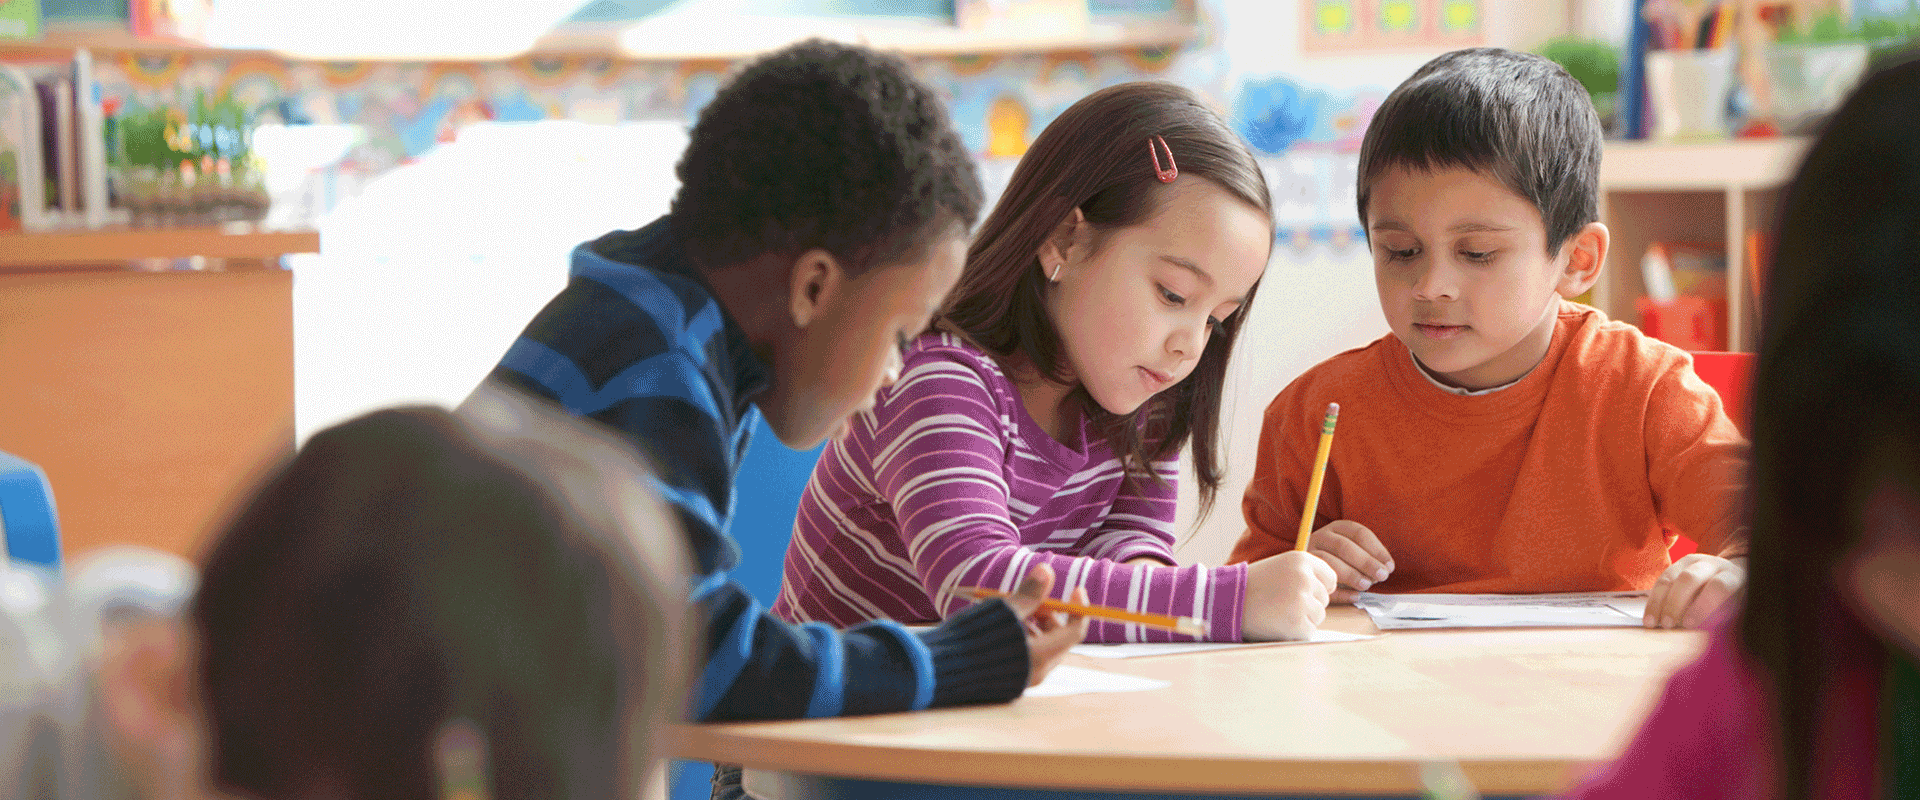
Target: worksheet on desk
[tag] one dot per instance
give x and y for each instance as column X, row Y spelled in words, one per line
column 1569, row 610
column 1067, row 679
column 1138, row 649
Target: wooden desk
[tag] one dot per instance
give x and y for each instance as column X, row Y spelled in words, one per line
column 1523, row 711
column 151, row 395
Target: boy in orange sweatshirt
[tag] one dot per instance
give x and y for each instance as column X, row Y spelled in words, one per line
column 1501, row 438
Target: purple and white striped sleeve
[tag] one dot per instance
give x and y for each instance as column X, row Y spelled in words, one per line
column 940, row 459
column 1141, row 520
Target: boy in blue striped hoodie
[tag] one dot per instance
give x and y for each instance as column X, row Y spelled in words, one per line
column 822, row 218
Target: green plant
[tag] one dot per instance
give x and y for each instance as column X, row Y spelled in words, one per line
column 1595, row 64
column 1883, row 36
column 186, row 164
column 216, row 128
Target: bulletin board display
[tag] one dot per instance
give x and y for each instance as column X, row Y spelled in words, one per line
column 1372, row 26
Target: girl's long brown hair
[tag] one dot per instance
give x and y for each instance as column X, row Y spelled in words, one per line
column 1834, row 390
column 1094, row 157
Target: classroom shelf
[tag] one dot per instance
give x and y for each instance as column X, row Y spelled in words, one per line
column 1744, row 163
column 243, row 244
column 1715, row 192
column 152, row 397
column 59, row 44
column 695, row 43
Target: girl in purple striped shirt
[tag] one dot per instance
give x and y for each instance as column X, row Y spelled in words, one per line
column 1041, row 419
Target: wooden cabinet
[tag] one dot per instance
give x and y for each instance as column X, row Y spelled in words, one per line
column 1715, row 192
column 152, row 395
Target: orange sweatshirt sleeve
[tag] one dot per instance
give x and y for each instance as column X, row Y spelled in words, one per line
column 1696, row 461
column 1275, row 496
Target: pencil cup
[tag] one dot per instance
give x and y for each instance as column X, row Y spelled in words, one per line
column 1688, row 90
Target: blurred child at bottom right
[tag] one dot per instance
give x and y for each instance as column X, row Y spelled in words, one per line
column 1810, row 688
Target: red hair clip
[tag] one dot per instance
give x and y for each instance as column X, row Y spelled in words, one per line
column 1171, row 171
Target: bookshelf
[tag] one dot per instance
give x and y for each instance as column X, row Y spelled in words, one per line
column 695, row 43
column 720, row 42
column 1715, row 192
column 231, row 247
column 151, row 395
column 58, row 45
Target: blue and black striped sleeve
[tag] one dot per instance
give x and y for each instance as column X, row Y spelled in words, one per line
column 761, row 667
column 757, row 665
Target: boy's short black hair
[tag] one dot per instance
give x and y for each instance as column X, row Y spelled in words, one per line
column 1517, row 117
column 822, row 145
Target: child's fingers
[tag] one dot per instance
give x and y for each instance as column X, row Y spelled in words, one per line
column 1323, row 574
column 1719, row 588
column 1661, row 595
column 1365, row 538
column 1714, row 593
column 1363, row 568
column 1679, row 587
column 1046, row 649
column 1343, row 573
column 1076, row 624
column 1033, row 589
column 1039, row 624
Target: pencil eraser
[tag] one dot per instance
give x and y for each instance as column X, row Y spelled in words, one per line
column 1333, row 409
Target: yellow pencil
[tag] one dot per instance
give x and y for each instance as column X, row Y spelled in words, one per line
column 1319, row 473
column 1188, row 625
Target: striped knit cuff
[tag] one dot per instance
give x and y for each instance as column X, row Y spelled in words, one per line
column 1229, row 604
column 979, row 656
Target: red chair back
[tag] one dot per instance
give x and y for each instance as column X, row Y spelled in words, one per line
column 1730, row 374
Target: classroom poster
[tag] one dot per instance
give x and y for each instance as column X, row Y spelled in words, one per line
column 1364, row 26
column 19, row 19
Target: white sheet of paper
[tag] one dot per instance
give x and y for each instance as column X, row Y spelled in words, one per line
column 1575, row 609
column 1138, row 649
column 1067, row 679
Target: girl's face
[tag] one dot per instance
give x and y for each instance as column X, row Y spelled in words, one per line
column 1881, row 574
column 1135, row 314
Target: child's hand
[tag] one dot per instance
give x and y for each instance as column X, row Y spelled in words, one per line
column 1048, row 637
column 1286, row 597
column 1690, row 590
column 1356, row 555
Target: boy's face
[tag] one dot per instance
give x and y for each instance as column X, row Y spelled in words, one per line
column 1461, row 265
column 851, row 346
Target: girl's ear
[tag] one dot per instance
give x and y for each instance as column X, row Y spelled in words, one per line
column 1060, row 245
column 1586, row 253
column 814, row 281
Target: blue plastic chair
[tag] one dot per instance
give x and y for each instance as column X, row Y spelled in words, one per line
column 28, row 526
column 762, row 524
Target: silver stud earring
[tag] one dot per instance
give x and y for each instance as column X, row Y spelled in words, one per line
column 1055, row 278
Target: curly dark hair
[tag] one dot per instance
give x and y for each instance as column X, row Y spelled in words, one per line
column 823, row 145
